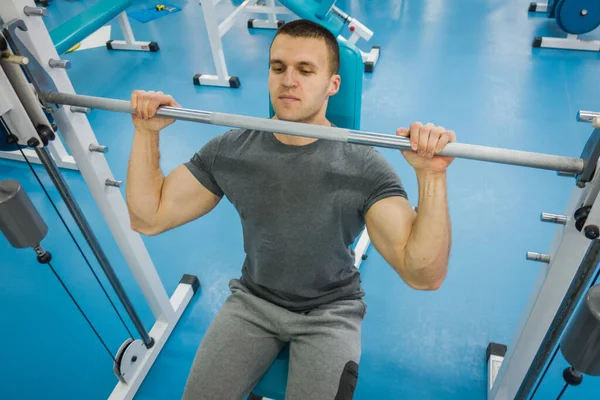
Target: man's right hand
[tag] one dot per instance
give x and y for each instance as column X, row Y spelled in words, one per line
column 145, row 104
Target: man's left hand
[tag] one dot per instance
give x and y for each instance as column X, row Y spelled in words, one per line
column 426, row 141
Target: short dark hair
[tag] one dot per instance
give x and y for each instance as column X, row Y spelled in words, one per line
column 307, row 29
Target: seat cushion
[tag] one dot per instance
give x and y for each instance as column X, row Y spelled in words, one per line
column 82, row 25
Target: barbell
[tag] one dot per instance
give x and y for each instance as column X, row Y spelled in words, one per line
column 562, row 164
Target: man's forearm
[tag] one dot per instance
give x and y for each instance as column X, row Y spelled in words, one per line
column 428, row 248
column 144, row 179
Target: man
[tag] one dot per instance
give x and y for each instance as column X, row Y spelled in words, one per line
column 302, row 203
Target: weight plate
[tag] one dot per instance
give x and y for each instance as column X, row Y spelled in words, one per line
column 131, row 360
column 578, row 16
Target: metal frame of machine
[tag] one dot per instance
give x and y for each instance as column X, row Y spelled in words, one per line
column 571, row 42
column 17, row 110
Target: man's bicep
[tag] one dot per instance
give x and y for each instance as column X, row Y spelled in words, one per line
column 184, row 199
column 389, row 222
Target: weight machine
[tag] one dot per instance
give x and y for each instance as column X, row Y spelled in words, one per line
column 575, row 17
column 64, row 37
column 323, row 12
column 20, row 122
column 24, row 117
column 570, row 267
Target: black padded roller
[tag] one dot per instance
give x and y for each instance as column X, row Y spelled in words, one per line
column 580, row 344
column 19, row 219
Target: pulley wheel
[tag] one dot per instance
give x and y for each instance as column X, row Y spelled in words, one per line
column 578, row 16
column 128, row 359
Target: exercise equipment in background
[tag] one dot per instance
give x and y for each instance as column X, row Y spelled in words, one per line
column 68, row 34
column 323, row 12
column 575, row 17
column 67, row 37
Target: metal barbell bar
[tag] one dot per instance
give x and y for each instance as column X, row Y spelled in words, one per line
column 459, row 150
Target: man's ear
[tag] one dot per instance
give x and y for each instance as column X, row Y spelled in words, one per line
column 334, row 85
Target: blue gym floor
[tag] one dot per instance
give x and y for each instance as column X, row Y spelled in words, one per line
column 465, row 64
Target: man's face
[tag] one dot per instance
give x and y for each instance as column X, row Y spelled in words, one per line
column 300, row 80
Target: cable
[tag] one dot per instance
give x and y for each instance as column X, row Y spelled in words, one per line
column 544, row 374
column 71, row 234
column 78, row 247
column 82, row 313
column 596, row 277
column 562, row 391
column 80, row 250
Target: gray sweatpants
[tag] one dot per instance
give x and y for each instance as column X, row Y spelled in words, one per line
column 248, row 333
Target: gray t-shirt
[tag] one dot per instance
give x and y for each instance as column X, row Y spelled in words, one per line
column 301, row 208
